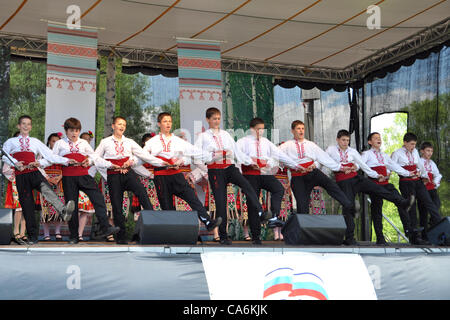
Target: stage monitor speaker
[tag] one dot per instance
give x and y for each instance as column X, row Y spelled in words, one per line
column 168, row 227
column 440, row 233
column 314, row 229
column 6, row 222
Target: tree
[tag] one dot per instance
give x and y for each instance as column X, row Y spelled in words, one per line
column 133, row 92
column 27, row 96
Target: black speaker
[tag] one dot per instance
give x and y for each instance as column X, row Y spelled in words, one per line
column 314, row 229
column 6, row 223
column 439, row 234
column 168, row 227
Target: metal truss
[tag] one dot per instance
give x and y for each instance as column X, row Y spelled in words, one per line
column 36, row 47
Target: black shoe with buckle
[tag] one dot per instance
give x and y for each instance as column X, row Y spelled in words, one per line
column 275, row 223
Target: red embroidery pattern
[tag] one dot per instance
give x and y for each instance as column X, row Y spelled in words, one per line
column 119, row 148
column 379, row 156
column 218, row 141
column 166, row 148
column 73, row 147
column 427, row 165
column 258, row 149
column 410, row 157
column 300, row 149
column 24, row 144
column 343, row 155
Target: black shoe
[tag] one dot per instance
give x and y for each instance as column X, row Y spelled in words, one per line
column 211, row 224
column 263, row 216
column 350, row 242
column 257, row 242
column 19, row 240
column 416, row 239
column 108, row 232
column 74, row 240
column 121, row 241
column 66, row 214
column 226, row 241
column 275, row 223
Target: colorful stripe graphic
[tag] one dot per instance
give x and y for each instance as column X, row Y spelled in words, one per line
column 71, row 53
column 283, row 283
column 199, row 64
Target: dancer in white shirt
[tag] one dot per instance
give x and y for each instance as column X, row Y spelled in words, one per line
column 262, row 174
column 220, row 152
column 169, row 180
column 21, row 152
column 433, row 183
column 408, row 158
column 303, row 180
column 77, row 178
column 352, row 183
column 121, row 153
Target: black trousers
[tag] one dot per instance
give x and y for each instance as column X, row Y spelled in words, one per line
column 118, row 184
column 176, row 185
column 361, row 184
column 218, row 179
column 302, row 186
column 72, row 186
column 422, row 195
column 276, row 189
column 26, row 183
column 376, row 210
column 423, row 212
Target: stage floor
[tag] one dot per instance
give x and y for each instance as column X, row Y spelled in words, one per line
column 237, row 246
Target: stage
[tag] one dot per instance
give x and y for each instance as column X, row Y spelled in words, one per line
column 99, row 270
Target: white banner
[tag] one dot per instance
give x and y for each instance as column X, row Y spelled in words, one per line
column 287, row 276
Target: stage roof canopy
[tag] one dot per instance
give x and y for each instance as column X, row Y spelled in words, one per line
column 319, row 40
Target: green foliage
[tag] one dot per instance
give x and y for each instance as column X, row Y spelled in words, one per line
column 132, row 90
column 27, row 96
column 173, row 107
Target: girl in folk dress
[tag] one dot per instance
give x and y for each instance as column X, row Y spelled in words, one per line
column 49, row 215
column 12, row 202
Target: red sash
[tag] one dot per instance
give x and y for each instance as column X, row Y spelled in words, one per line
column 75, row 171
column 296, row 173
column 341, row 176
column 249, row 170
column 117, row 162
column 380, row 170
column 281, row 173
column 26, row 157
column 410, row 168
column 430, row 185
column 165, row 172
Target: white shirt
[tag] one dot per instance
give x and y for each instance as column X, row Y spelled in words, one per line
column 373, row 158
column 405, row 158
column 30, row 144
column 431, row 167
column 264, row 149
column 64, row 146
column 173, row 147
column 210, row 141
column 308, row 151
column 350, row 155
column 111, row 148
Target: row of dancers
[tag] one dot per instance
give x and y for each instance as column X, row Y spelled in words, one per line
column 251, row 164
